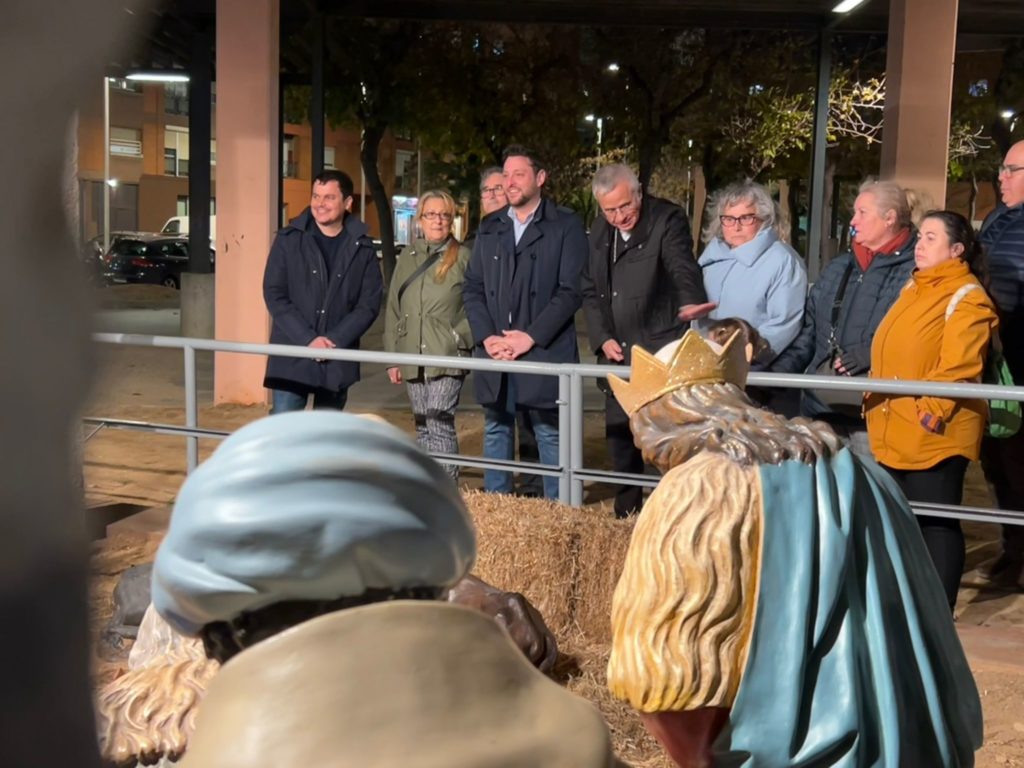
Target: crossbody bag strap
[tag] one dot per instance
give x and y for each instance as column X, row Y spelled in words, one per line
column 837, row 304
column 427, row 264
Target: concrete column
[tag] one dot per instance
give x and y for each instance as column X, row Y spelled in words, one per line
column 919, row 89
column 248, row 152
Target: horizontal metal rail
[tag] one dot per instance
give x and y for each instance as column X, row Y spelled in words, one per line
column 570, row 470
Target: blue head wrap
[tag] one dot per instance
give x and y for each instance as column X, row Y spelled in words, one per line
column 310, row 505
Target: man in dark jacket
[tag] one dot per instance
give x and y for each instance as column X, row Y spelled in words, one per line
column 640, row 273
column 1002, row 235
column 322, row 287
column 521, row 292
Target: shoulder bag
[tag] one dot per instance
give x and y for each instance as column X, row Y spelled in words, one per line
column 845, row 402
column 1004, row 416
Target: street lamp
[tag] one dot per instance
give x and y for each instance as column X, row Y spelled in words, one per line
column 154, row 76
column 106, row 165
column 846, row 6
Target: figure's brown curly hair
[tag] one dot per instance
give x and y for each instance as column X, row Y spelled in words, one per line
column 721, row 418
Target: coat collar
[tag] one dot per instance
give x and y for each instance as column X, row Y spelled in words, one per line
column 746, row 254
column 951, row 269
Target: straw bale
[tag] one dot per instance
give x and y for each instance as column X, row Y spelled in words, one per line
column 601, row 553
column 566, row 560
column 528, row 546
column 584, row 675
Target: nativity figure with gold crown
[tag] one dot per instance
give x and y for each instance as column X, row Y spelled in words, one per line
column 777, row 606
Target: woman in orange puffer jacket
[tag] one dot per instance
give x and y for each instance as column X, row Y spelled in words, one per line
column 926, row 443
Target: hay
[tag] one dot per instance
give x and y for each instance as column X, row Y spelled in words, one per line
column 601, row 551
column 565, row 560
column 584, row 675
column 526, row 545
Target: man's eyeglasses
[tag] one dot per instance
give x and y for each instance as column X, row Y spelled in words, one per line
column 622, row 210
column 745, row 220
column 491, row 191
column 1009, row 170
column 435, row 216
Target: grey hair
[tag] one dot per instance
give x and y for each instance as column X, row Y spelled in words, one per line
column 721, row 418
column 889, row 196
column 743, row 192
column 607, row 178
column 490, row 171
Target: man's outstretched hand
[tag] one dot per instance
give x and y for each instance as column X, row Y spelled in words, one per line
column 689, row 312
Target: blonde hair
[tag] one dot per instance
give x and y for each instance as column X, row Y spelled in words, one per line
column 890, row 196
column 451, row 251
column 150, row 712
column 683, row 610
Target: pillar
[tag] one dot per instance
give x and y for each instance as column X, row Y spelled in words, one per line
column 919, row 91
column 248, row 164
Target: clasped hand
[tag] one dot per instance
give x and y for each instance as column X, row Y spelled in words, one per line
column 321, row 342
column 509, row 346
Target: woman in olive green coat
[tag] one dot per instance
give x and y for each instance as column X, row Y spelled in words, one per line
column 425, row 316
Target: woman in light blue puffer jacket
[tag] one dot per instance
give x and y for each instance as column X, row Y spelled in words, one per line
column 748, row 271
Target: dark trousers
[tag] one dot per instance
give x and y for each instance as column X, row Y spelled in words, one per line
column 625, row 456
column 528, row 485
column 1003, row 462
column 940, row 484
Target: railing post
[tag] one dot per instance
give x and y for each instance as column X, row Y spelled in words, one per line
column 575, row 439
column 191, row 409
column 564, row 436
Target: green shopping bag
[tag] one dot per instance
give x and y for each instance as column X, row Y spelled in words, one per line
column 1004, row 416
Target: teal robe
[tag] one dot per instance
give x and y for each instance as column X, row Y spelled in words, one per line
column 854, row 660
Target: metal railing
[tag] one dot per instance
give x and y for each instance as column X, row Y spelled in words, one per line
column 571, row 472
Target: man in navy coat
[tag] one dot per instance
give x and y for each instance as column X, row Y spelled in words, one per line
column 521, row 292
column 322, row 286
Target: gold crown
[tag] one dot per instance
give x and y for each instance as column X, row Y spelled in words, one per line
column 693, row 362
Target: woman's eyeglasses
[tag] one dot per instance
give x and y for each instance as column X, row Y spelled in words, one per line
column 745, row 220
column 435, row 216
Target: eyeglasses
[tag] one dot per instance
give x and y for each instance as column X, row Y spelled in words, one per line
column 1009, row 170
column 435, row 216
column 745, row 220
column 622, row 210
column 491, row 191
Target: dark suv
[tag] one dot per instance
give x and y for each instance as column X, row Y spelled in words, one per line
column 152, row 259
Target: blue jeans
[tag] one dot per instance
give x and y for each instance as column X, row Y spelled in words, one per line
column 282, row 401
column 499, row 441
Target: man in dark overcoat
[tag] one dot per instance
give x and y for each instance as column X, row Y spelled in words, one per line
column 323, row 288
column 521, row 292
column 640, row 274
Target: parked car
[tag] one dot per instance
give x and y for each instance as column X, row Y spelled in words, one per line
column 151, row 259
column 178, row 225
column 91, row 253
